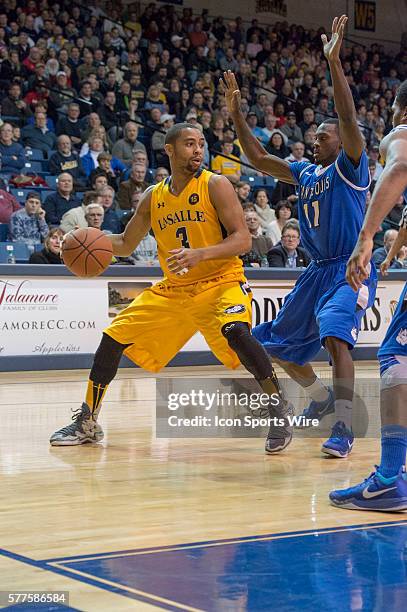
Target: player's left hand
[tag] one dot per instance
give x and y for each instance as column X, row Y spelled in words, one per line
column 332, row 48
column 181, row 261
column 357, row 269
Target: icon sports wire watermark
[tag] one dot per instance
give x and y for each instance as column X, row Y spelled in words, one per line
column 238, row 408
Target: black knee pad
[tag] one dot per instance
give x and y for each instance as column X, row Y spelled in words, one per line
column 107, row 359
column 251, row 353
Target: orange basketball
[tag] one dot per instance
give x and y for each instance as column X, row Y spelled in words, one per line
column 87, row 252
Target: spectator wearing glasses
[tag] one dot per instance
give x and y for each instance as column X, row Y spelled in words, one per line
column 288, row 254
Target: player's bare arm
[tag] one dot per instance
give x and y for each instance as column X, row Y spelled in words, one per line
column 139, row 225
column 389, row 187
column 398, row 244
column 348, row 126
column 255, row 152
column 230, row 212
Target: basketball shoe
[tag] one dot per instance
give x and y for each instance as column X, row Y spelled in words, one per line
column 83, row 429
column 319, row 410
column 279, row 436
column 374, row 493
column 341, row 441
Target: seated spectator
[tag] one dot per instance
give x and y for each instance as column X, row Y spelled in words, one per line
column 158, row 140
column 41, row 107
column 75, row 217
column 13, row 105
column 228, row 167
column 276, row 146
column 263, row 209
column 108, row 111
column 261, row 243
column 124, row 148
column 308, row 119
column 28, row 224
column 288, row 253
column 111, row 221
column 283, row 213
column 65, row 160
column 291, row 130
column 50, row 254
column 62, row 94
column 57, row 204
column 8, row 205
column 243, row 192
column 297, row 153
column 38, row 136
column 257, row 132
column 94, row 215
column 90, row 160
column 160, row 174
column 113, row 167
column 380, row 254
column 97, row 132
column 12, row 154
column 70, row 125
column 127, row 188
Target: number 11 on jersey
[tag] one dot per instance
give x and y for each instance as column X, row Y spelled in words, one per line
column 315, row 206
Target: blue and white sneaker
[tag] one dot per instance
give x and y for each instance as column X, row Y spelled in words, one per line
column 374, row 493
column 341, row 441
column 319, row 410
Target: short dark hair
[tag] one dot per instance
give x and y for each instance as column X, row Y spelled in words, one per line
column 34, row 195
column 175, row 131
column 331, row 121
column 282, row 204
column 401, row 95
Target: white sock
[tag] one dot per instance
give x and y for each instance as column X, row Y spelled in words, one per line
column 317, row 391
column 343, row 412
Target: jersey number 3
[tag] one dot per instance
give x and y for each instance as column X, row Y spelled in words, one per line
column 182, row 234
column 315, row 206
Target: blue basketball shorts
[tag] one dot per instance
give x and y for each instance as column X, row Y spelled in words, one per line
column 321, row 305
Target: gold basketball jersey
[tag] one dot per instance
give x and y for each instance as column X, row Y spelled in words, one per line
column 189, row 220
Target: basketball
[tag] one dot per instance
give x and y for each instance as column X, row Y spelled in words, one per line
column 87, row 252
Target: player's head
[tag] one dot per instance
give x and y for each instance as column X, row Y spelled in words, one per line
column 184, row 145
column 327, row 144
column 400, row 105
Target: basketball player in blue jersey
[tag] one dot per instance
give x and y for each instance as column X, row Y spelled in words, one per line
column 386, row 488
column 322, row 308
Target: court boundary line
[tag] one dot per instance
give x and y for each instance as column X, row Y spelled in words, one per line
column 221, row 541
column 97, row 582
column 56, row 565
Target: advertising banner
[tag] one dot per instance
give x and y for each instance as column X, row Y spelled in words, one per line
column 48, row 315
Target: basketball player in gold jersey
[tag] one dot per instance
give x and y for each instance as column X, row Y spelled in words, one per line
column 200, row 231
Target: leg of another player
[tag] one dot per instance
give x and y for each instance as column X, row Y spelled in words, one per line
column 255, row 359
column 341, row 441
column 84, row 427
column 321, row 396
column 386, row 488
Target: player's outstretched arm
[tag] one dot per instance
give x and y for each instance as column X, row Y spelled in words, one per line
column 391, row 184
column 351, row 136
column 138, row 226
column 396, row 247
column 255, row 152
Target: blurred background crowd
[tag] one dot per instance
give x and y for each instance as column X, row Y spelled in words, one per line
column 88, row 93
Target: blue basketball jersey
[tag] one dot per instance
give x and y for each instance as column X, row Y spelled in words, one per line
column 331, row 205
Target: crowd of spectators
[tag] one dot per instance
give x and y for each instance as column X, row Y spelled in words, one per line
column 94, row 89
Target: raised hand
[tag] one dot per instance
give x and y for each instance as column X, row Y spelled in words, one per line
column 229, row 86
column 332, row 47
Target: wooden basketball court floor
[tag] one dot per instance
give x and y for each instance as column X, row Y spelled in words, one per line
column 138, row 523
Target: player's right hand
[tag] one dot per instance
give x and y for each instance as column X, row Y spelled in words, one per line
column 358, row 268
column 230, row 88
column 385, row 266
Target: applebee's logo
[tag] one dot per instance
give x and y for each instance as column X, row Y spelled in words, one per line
column 11, row 293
